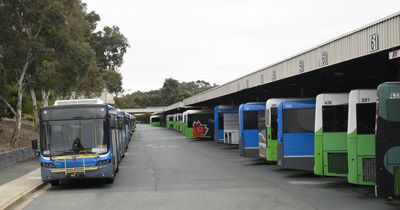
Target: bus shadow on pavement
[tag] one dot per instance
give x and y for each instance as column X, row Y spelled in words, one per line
column 81, row 185
column 255, row 162
column 229, row 147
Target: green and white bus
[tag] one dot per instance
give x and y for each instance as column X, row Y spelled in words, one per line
column 155, row 120
column 170, row 121
column 361, row 136
column 330, row 148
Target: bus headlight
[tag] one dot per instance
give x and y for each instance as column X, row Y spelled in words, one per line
column 47, row 165
column 104, row 162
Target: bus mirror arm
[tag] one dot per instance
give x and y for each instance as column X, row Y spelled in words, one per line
column 35, row 147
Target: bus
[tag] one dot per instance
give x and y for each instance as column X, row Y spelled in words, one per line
column 296, row 134
column 269, row 147
column 251, row 127
column 387, row 147
column 199, row 123
column 177, row 122
column 226, row 124
column 170, row 121
column 155, row 120
column 80, row 139
column 361, row 137
column 331, row 114
column 187, row 128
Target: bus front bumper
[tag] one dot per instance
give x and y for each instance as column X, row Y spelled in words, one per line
column 103, row 171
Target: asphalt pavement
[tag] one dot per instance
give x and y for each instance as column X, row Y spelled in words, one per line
column 164, row 170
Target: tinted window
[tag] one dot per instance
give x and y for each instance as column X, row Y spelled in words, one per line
column 366, row 118
column 334, row 118
column 220, row 121
column 250, row 120
column 155, row 119
column 190, row 121
column 298, row 120
column 73, row 113
column 274, row 123
column 393, row 110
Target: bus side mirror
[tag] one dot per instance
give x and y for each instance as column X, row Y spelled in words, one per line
column 35, row 146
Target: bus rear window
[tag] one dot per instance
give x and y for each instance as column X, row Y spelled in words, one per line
column 298, row 120
column 250, row 120
column 366, row 118
column 334, row 118
column 393, row 110
column 190, row 121
column 220, row 121
column 274, row 123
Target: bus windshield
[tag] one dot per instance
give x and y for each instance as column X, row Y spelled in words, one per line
column 68, row 137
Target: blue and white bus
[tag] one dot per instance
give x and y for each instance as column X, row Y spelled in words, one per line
column 252, row 127
column 80, row 139
column 226, row 124
column 296, row 134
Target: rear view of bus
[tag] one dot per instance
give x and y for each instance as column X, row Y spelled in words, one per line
column 226, row 124
column 387, row 140
column 361, row 137
column 331, row 114
column 155, row 120
column 252, row 127
column 296, row 134
column 271, row 124
column 77, row 141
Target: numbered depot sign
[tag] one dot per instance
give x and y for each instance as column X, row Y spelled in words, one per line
column 373, row 42
column 394, row 54
column 324, row 58
column 301, row 66
column 273, row 75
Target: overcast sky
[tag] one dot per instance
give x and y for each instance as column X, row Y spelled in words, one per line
column 221, row 40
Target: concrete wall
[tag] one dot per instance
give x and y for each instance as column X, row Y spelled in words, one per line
column 11, row 157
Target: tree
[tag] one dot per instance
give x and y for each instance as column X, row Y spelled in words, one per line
column 110, row 46
column 171, row 92
column 24, row 28
column 113, row 81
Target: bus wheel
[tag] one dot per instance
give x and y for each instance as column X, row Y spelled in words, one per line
column 55, row 183
column 109, row 180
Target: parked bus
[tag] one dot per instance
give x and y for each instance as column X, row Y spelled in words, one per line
column 361, row 137
column 331, row 114
column 199, row 123
column 187, row 128
column 155, row 120
column 170, row 121
column 296, row 134
column 80, row 139
column 252, row 127
column 226, row 124
column 269, row 147
column 387, row 148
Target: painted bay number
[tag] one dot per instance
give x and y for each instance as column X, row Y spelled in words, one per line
column 373, row 42
column 365, row 100
column 301, row 66
column 324, row 58
column 395, row 95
